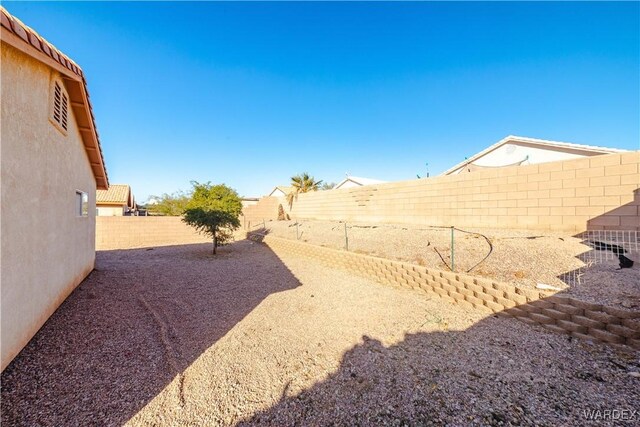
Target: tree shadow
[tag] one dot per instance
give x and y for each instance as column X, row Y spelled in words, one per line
column 132, row 327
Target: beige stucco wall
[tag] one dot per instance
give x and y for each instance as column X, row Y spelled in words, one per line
column 46, row 249
column 110, row 210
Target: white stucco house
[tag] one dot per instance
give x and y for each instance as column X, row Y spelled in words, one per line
column 518, row 150
column 118, row 200
column 51, row 167
column 280, row 191
column 356, row 181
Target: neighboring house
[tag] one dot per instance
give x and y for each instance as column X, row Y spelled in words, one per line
column 51, row 166
column 355, row 181
column 249, row 201
column 118, row 200
column 517, row 150
column 280, row 191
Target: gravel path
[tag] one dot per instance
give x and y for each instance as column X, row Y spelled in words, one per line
column 173, row 336
column 524, row 258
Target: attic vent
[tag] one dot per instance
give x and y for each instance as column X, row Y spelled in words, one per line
column 60, row 106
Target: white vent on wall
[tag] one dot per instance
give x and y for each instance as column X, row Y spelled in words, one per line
column 60, row 106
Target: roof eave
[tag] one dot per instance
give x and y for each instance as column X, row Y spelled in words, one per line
column 76, row 87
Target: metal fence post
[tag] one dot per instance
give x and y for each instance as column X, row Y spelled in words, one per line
column 346, row 237
column 453, row 268
column 297, row 233
column 264, row 224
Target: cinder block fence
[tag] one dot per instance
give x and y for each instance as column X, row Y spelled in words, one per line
column 600, row 192
column 123, row 232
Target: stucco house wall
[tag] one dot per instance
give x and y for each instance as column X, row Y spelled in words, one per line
column 46, row 249
column 517, row 150
column 511, row 153
column 110, row 210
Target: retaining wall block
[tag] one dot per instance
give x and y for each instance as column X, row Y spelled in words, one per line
column 493, row 292
column 606, row 336
column 572, row 327
column 622, row 313
column 623, row 331
column 589, row 323
column 632, row 324
column 555, row 314
column 507, row 303
column 569, row 309
column 585, row 305
column 542, row 319
column 494, row 306
column 601, row 316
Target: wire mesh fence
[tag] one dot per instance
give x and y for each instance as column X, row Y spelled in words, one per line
column 614, row 249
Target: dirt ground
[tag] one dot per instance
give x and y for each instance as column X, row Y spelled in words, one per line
column 524, row 258
column 173, row 336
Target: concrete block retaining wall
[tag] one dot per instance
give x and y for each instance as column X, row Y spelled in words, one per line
column 557, row 313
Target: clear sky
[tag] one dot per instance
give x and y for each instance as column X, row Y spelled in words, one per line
column 249, row 94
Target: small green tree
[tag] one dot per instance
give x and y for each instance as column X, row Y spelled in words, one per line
column 215, row 198
column 168, row 204
column 217, row 224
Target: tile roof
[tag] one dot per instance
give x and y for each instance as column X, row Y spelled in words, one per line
column 25, row 39
column 534, row 141
column 117, row 193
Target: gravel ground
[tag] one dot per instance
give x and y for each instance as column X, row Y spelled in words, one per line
column 174, row 336
column 524, row 258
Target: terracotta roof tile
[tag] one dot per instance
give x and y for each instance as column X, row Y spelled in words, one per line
column 35, row 42
column 117, row 193
column 46, row 49
column 5, row 21
column 18, row 29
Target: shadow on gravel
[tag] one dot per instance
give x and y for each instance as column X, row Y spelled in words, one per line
column 485, row 375
column 139, row 319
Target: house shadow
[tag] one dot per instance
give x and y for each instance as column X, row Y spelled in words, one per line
column 498, row 372
column 132, row 327
column 625, row 217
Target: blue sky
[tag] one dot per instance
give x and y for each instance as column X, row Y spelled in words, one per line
column 249, row 94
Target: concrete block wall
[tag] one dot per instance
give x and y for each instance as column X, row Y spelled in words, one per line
column 600, row 192
column 557, row 313
column 266, row 209
column 126, row 232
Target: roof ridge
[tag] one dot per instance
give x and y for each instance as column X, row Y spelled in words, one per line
column 515, row 138
column 568, row 144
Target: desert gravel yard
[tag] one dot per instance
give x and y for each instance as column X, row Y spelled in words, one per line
column 175, row 336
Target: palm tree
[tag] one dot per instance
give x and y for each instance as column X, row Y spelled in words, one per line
column 301, row 183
